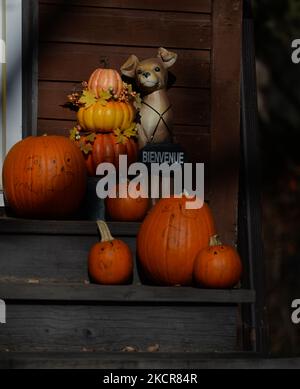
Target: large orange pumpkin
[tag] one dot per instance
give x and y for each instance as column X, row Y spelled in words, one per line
column 107, row 149
column 217, row 266
column 110, row 261
column 126, row 209
column 44, row 176
column 169, row 239
column 104, row 80
column 106, row 118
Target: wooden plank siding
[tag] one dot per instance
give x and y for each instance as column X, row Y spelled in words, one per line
column 68, row 55
column 125, row 27
column 192, row 70
column 74, row 328
column 54, row 94
column 202, row 6
column 205, row 95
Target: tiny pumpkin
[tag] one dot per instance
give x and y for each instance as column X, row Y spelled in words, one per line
column 131, row 208
column 105, row 80
column 217, row 266
column 110, row 261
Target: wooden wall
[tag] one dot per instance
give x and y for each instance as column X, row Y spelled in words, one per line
column 75, row 36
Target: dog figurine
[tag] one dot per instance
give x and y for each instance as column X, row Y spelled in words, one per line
column 151, row 76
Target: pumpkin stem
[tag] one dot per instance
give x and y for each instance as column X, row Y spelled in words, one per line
column 104, row 231
column 104, row 62
column 215, row 241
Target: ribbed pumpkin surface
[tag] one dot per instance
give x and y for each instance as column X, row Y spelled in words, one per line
column 169, row 239
column 105, row 79
column 107, row 149
column 44, row 176
column 106, row 118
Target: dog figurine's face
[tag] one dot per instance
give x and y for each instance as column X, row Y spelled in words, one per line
column 151, row 74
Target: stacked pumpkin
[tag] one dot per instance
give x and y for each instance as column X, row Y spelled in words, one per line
column 106, row 109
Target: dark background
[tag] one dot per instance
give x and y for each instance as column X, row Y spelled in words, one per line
column 276, row 26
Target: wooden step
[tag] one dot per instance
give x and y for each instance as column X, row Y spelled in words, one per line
column 53, row 249
column 44, row 291
column 88, row 360
column 53, row 307
column 10, row 225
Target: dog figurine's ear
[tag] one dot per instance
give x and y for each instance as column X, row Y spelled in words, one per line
column 129, row 67
column 168, row 57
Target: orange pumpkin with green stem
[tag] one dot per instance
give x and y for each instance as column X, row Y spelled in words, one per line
column 110, row 261
column 217, row 266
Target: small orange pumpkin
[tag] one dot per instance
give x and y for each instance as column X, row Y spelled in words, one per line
column 169, row 239
column 106, row 118
column 127, row 209
column 217, row 266
column 104, row 80
column 105, row 148
column 44, row 176
column 110, row 261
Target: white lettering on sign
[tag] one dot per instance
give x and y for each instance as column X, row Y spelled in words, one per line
column 163, row 156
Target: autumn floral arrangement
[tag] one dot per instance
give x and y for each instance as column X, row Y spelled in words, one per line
column 106, row 125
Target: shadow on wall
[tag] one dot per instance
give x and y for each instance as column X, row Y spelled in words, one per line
column 278, row 78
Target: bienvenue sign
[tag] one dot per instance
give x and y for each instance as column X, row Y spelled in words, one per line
column 160, row 153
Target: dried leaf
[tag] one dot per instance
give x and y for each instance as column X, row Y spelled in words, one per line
column 129, row 88
column 87, row 350
column 121, row 138
column 153, row 348
column 91, row 137
column 87, row 98
column 104, row 96
column 137, row 102
column 129, row 349
column 131, row 131
column 86, row 148
column 33, row 281
column 74, row 134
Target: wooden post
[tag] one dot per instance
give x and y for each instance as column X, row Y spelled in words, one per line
column 225, row 115
column 30, row 67
column 250, row 219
